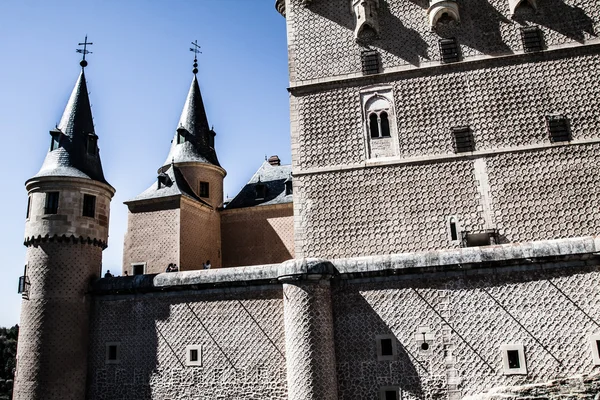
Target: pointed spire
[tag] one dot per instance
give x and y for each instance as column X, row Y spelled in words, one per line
column 193, row 140
column 74, row 149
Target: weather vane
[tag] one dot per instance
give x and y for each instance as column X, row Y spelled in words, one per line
column 196, row 50
column 84, row 51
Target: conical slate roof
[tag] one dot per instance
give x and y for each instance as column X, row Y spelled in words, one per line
column 77, row 154
column 193, row 125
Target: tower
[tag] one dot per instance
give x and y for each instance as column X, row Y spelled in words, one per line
column 176, row 220
column 65, row 233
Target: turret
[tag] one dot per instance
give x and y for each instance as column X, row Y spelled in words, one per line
column 65, row 232
column 176, row 220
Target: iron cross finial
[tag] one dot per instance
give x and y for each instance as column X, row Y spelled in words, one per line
column 84, row 51
column 196, row 50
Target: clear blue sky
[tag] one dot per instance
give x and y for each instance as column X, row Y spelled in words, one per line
column 138, row 77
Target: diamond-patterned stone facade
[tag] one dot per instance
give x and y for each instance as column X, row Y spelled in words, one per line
column 240, row 332
column 324, row 45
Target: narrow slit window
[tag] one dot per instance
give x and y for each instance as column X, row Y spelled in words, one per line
column 28, row 207
column 385, row 124
column 51, row 206
column 194, row 355
column 453, row 230
column 374, row 125
column 89, row 206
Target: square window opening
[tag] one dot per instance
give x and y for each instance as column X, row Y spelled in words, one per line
column 370, row 62
column 513, row 359
column 449, row 50
column 138, row 269
column 386, row 347
column 463, row 139
column 389, row 393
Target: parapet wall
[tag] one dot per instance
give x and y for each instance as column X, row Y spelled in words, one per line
column 464, row 303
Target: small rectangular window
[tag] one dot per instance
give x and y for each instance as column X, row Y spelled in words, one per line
column 370, row 62
column 558, row 128
column 193, row 355
column 449, row 50
column 181, row 138
column 204, row 192
column 138, row 269
column 463, row 139
column 389, row 393
column 386, row 347
column 513, row 359
column 55, row 143
column 89, row 206
column 113, row 353
column 532, row 39
column 28, row 207
column 92, row 145
column 51, row 206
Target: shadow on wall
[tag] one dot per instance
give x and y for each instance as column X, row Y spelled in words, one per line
column 238, row 335
column 479, row 28
column 253, row 242
column 500, row 307
column 360, row 374
column 391, row 28
column 555, row 15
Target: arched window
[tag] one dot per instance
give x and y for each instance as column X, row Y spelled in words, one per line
column 374, row 125
column 385, row 124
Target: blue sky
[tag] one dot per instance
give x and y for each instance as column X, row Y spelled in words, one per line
column 138, row 77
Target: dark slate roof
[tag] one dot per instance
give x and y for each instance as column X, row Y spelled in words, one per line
column 274, row 178
column 198, row 134
column 172, row 183
column 76, row 125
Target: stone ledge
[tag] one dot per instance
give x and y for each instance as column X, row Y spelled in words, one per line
column 446, row 261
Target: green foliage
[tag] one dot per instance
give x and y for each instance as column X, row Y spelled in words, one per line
column 8, row 353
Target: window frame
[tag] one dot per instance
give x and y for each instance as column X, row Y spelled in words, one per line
column 85, row 211
column 117, row 359
column 49, row 207
column 142, row 264
column 386, row 357
column 385, row 389
column 202, row 185
column 188, row 354
column 506, row 369
column 378, row 100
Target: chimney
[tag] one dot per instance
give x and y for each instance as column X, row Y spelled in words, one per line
column 274, row 161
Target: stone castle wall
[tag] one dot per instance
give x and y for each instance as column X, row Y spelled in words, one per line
column 257, row 235
column 351, row 198
column 464, row 303
column 322, row 45
column 161, row 229
column 200, row 236
column 239, row 331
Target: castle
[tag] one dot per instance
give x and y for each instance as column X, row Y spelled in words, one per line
column 445, row 225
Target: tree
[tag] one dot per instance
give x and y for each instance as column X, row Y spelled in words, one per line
column 8, row 353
